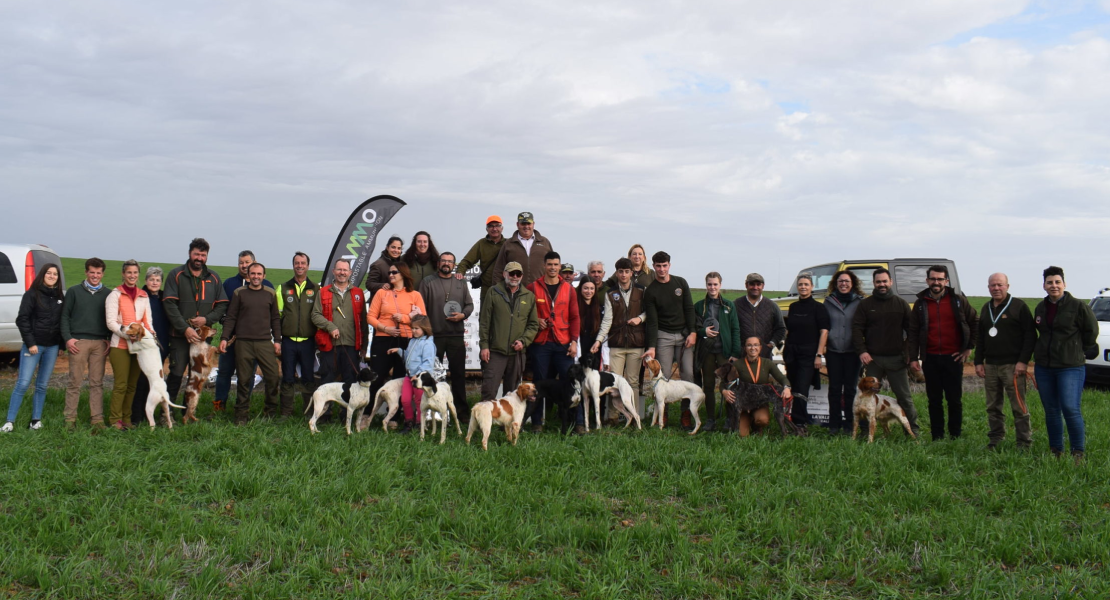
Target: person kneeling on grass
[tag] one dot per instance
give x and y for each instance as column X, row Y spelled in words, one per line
column 419, row 356
column 753, row 368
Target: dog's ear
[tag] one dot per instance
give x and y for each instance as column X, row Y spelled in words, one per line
column 427, row 380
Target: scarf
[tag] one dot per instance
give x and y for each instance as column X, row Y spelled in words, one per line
column 92, row 289
column 131, row 291
column 844, row 298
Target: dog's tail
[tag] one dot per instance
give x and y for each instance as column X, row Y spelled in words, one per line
column 172, row 404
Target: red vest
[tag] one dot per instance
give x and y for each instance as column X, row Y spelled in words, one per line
column 561, row 313
column 358, row 305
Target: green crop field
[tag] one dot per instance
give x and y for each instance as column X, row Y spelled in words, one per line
column 267, row 510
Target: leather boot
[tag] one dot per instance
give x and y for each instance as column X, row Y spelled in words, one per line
column 286, row 405
column 687, row 420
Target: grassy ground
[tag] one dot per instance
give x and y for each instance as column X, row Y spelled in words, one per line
column 267, row 510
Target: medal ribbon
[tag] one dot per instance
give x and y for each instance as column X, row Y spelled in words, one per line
column 994, row 319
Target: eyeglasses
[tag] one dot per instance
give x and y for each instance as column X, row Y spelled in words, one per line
column 394, row 272
column 447, row 261
column 492, row 225
column 937, row 279
column 516, row 273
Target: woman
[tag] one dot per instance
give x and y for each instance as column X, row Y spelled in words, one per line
column 641, row 273
column 161, row 322
column 126, row 304
column 377, row 278
column 390, row 315
column 1065, row 328
column 755, row 369
column 591, row 310
column 841, row 360
column 422, row 258
column 40, row 325
column 807, row 331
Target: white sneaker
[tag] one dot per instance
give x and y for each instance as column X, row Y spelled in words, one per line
column 35, row 425
column 7, row 428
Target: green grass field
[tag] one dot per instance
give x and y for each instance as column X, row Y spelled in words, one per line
column 267, row 510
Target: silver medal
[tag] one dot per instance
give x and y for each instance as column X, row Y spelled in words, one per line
column 993, row 331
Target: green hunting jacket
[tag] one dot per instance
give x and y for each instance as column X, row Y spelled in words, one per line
column 1074, row 328
column 483, row 253
column 729, row 329
column 507, row 318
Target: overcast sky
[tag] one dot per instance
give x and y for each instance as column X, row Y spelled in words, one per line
column 738, row 136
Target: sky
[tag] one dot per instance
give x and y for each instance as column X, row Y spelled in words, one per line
column 738, row 136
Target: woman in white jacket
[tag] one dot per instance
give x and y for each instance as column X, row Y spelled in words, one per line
column 127, row 304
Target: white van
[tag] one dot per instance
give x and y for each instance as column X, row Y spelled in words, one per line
column 1098, row 368
column 19, row 264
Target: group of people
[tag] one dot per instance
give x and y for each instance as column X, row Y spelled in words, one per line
column 537, row 317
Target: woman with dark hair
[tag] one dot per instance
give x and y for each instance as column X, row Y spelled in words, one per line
column 753, row 368
column 1066, row 327
column 841, row 360
column 377, row 278
column 591, row 309
column 390, row 315
column 158, row 318
column 40, row 325
column 422, row 257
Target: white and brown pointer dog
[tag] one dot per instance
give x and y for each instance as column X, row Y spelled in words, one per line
column 508, row 411
column 874, row 407
column 667, row 391
column 200, row 363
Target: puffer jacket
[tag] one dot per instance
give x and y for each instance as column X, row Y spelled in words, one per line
column 1075, row 328
column 505, row 320
column 40, row 316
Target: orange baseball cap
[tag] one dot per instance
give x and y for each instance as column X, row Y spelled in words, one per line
column 493, row 219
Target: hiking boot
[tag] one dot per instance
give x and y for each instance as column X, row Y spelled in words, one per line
column 8, row 427
column 992, row 447
column 407, row 428
column 71, row 426
column 1057, row 453
column 537, row 428
column 709, row 425
column 579, row 430
column 218, row 405
column 612, row 422
column 98, row 427
column 1078, row 456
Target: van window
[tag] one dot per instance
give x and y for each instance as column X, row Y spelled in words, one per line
column 866, row 278
column 7, row 273
column 910, row 279
column 822, row 275
column 1101, row 308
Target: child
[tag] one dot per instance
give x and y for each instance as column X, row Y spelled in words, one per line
column 420, row 356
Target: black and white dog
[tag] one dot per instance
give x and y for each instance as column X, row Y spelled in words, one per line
column 356, row 397
column 564, row 393
column 596, row 384
column 438, row 398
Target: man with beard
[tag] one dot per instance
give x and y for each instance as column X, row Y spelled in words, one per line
column 757, row 319
column 193, row 297
column 483, row 253
column 449, row 305
column 943, row 327
column 879, row 330
column 253, row 319
column 227, row 364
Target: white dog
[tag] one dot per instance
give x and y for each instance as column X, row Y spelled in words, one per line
column 672, row 390
column 356, row 397
column 145, row 349
column 390, row 395
column 596, row 384
column 437, row 397
column 508, row 411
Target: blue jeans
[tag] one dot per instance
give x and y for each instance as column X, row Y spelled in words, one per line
column 226, row 368
column 44, row 360
column 550, row 361
column 1061, row 390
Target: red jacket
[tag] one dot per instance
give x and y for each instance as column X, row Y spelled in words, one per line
column 564, row 327
column 358, row 304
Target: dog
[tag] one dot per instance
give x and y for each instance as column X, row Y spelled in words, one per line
column 200, row 363
column 564, row 393
column 672, row 390
column 389, row 395
column 356, row 397
column 595, row 384
column 751, row 397
column 508, row 411
column 145, row 348
column 437, row 397
column 874, row 407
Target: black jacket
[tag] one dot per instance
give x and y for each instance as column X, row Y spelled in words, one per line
column 40, row 317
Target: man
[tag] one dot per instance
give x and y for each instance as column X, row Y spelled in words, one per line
column 85, row 331
column 807, row 334
column 879, row 328
column 483, row 253
column 254, row 323
column 526, row 248
column 507, row 325
column 566, row 272
column 1007, row 336
column 671, row 326
column 449, row 304
column 758, row 318
column 556, row 344
column 718, row 341
column 595, row 272
column 943, row 328
column 227, row 361
column 343, row 334
column 622, row 327
column 296, row 299
column 193, row 297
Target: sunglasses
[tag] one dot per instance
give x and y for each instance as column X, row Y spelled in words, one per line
column 394, row 272
column 516, row 273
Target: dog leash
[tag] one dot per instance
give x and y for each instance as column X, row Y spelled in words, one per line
column 1017, row 394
